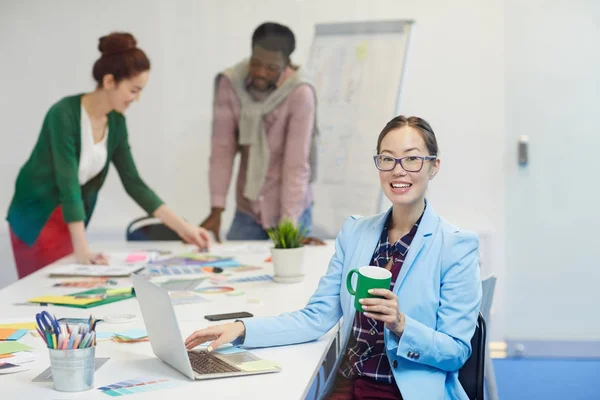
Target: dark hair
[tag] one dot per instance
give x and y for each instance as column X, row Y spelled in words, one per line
column 120, row 58
column 272, row 36
column 414, row 122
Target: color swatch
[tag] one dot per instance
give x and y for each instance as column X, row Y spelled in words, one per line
column 249, row 279
column 173, row 270
column 214, row 290
column 138, row 385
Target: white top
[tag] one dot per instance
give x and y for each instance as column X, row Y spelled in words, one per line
column 93, row 155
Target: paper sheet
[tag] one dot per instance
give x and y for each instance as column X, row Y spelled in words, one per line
column 62, row 300
column 12, row 347
column 19, row 325
column 94, row 270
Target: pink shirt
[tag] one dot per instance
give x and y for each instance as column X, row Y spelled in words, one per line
column 286, row 191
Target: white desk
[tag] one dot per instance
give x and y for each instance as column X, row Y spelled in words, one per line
column 300, row 363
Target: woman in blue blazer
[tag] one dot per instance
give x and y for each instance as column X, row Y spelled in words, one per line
column 409, row 343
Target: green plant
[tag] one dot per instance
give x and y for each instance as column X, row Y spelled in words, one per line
column 286, row 235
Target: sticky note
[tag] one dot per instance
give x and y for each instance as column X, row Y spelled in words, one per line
column 134, row 333
column 104, row 335
column 62, row 300
column 136, row 257
column 6, row 333
column 115, row 292
column 258, row 365
column 18, row 334
column 12, row 347
column 19, row 325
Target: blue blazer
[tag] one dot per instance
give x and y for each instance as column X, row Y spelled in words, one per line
column 438, row 289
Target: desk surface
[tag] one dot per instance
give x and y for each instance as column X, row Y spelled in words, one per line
column 300, row 363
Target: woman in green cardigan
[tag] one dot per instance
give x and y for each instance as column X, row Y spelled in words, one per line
column 57, row 188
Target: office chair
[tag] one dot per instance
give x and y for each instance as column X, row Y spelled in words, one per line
column 471, row 375
column 488, row 286
column 149, row 229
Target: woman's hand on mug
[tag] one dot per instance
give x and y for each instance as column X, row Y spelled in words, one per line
column 385, row 310
column 219, row 334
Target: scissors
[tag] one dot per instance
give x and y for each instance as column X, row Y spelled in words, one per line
column 47, row 323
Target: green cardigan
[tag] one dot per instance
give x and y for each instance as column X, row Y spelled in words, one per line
column 50, row 177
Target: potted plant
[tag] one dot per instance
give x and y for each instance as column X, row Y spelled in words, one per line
column 288, row 253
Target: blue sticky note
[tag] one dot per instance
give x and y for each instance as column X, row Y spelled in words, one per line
column 134, row 333
column 124, row 391
column 104, row 335
column 224, row 263
column 18, row 334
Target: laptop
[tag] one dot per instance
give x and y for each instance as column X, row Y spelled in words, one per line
column 168, row 345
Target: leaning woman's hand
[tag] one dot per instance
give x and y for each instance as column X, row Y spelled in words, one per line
column 385, row 310
column 196, row 236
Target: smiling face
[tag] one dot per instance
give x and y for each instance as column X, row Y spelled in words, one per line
column 122, row 94
column 402, row 187
column 265, row 68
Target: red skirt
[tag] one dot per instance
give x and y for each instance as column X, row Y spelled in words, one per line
column 53, row 243
column 363, row 389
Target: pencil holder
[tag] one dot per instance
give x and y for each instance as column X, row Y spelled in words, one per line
column 73, row 370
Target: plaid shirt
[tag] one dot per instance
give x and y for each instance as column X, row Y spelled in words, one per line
column 365, row 355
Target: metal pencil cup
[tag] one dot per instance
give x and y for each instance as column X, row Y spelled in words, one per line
column 73, row 370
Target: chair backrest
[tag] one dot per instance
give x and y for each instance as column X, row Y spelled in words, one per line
column 488, row 286
column 149, row 229
column 472, row 373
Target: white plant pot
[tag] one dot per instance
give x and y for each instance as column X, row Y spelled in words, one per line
column 288, row 264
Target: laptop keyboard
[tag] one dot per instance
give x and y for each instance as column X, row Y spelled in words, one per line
column 206, row 363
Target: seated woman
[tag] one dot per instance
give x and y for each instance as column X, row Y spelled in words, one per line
column 57, row 188
column 411, row 341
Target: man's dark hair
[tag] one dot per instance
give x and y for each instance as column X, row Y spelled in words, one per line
column 272, row 36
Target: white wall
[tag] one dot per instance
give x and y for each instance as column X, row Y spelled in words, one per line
column 454, row 80
column 553, row 96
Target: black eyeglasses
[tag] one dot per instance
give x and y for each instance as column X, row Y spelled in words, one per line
column 409, row 164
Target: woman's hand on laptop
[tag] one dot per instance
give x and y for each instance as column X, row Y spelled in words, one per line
column 219, row 334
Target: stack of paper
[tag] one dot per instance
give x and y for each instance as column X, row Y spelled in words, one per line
column 131, row 336
column 95, row 270
column 14, row 357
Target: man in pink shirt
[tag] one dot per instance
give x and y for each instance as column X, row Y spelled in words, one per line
column 264, row 108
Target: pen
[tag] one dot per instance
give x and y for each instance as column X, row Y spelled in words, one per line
column 85, row 340
column 76, row 342
column 71, row 341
